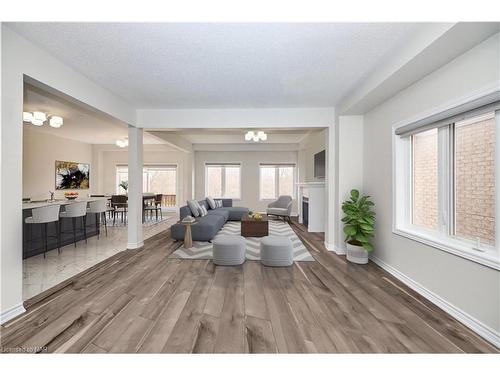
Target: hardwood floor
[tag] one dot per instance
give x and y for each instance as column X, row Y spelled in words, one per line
column 142, row 301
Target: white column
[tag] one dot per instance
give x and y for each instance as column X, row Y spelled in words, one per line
column 330, row 186
column 135, row 154
column 349, row 143
column 11, row 187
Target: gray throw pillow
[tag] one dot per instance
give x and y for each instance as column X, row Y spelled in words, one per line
column 203, row 210
column 193, row 206
column 211, row 202
column 218, row 203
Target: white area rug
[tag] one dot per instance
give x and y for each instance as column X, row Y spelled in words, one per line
column 203, row 250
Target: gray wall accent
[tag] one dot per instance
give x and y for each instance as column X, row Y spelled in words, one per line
column 469, row 286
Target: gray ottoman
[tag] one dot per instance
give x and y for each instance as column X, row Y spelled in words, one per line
column 276, row 251
column 229, row 250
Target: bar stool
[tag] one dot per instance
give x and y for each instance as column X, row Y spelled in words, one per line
column 74, row 211
column 99, row 208
column 45, row 215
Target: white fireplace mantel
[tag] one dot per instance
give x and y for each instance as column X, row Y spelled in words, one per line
column 315, row 192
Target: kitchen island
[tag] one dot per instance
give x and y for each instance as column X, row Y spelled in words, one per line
column 33, row 239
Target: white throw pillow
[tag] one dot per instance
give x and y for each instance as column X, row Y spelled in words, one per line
column 211, row 203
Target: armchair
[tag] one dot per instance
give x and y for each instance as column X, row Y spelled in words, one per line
column 281, row 207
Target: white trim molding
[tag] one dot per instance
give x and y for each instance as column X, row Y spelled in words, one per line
column 336, row 249
column 11, row 313
column 135, row 245
column 441, row 238
column 475, row 325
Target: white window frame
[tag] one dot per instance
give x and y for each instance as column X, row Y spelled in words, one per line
column 441, row 238
column 152, row 166
column 223, row 178
column 276, row 179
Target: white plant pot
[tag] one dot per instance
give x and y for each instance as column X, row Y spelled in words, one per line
column 357, row 254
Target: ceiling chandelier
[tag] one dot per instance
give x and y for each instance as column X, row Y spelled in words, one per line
column 122, row 142
column 38, row 118
column 255, row 136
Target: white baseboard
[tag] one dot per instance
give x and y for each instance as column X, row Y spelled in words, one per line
column 480, row 328
column 135, row 245
column 332, row 247
column 339, row 250
column 329, row 246
column 11, row 313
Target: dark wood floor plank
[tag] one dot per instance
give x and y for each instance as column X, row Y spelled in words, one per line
column 288, row 336
column 259, row 336
column 231, row 335
column 206, row 334
column 143, row 301
column 305, row 318
column 181, row 340
column 255, row 302
column 167, row 318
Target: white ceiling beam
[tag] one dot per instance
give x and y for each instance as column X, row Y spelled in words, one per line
column 434, row 46
column 173, row 140
column 235, row 118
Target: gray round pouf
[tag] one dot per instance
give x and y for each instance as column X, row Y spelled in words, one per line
column 276, row 251
column 229, row 250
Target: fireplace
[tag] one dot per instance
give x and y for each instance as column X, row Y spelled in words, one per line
column 305, row 211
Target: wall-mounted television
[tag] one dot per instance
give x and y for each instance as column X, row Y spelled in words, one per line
column 319, row 164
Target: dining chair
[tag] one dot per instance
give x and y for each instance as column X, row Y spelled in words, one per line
column 119, row 205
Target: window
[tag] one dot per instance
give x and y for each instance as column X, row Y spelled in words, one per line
column 223, row 180
column 158, row 179
column 425, row 179
column 475, row 179
column 444, row 184
column 276, row 180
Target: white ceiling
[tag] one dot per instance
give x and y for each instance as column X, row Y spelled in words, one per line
column 158, row 65
column 236, row 136
column 80, row 123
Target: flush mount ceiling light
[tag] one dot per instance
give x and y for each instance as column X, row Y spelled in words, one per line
column 122, row 142
column 256, row 137
column 38, row 118
column 37, row 122
column 27, row 116
column 56, row 121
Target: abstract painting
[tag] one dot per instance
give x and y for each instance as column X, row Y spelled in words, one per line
column 71, row 175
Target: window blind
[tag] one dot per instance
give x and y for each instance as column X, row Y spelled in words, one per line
column 489, row 103
column 222, row 164
column 277, row 164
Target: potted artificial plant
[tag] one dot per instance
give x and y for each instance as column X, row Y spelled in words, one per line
column 359, row 221
column 124, row 185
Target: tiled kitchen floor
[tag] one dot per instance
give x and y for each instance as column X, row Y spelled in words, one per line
column 41, row 273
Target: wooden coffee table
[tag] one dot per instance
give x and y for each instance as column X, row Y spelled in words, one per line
column 254, row 228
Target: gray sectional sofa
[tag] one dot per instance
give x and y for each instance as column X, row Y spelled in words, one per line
column 208, row 226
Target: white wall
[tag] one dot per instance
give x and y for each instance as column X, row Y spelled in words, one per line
column 40, row 151
column 109, row 156
column 20, row 57
column 469, row 286
column 249, row 173
column 350, row 167
column 310, row 145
